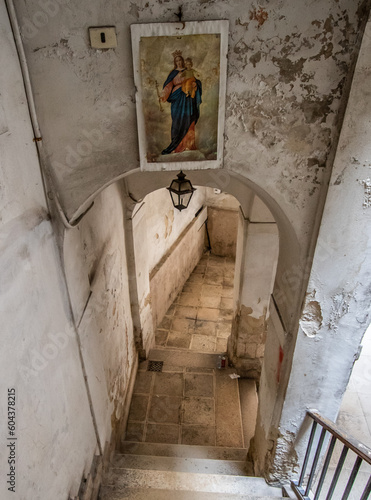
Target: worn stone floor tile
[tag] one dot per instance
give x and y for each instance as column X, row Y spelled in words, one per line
column 161, row 337
column 165, row 323
column 138, row 408
column 188, row 299
column 143, row 366
column 227, row 291
column 224, row 329
column 226, row 303
column 361, row 375
column 205, row 328
column 192, row 288
column 212, row 291
column 172, row 369
column 199, row 410
column 199, row 269
column 196, row 278
column 357, row 423
column 168, row 384
column 216, row 260
column 185, row 312
column 198, row 385
column 158, row 433
column 203, row 343
column 227, row 411
column 199, row 369
column 213, row 302
column 165, row 410
column 221, row 345
column 198, row 435
column 143, row 382
column 228, row 282
column 213, row 280
column 183, row 325
column 225, row 314
column 204, row 259
column 214, row 270
column 134, row 431
column 177, row 339
column 208, row 314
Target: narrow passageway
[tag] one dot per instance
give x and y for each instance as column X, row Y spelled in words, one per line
column 187, row 399
column 200, row 318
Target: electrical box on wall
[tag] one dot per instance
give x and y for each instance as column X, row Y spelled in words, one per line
column 103, row 37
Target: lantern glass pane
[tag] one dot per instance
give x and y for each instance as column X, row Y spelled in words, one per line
column 185, row 186
column 185, row 199
column 175, row 198
column 174, row 186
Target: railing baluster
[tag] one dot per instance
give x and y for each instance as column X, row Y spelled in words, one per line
column 366, row 491
column 325, row 467
column 352, row 478
column 337, row 473
column 309, row 447
column 315, row 461
column 363, row 453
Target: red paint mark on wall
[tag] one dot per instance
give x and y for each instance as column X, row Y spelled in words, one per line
column 279, row 365
column 260, row 15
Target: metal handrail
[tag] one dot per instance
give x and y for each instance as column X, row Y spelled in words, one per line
column 363, row 453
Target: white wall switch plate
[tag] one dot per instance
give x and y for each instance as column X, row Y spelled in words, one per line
column 103, row 38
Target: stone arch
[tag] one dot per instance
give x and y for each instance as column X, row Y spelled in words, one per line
column 288, row 289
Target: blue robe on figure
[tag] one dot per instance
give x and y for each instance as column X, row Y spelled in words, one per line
column 184, row 111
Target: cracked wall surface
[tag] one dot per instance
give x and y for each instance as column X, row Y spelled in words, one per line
column 337, row 309
column 287, row 66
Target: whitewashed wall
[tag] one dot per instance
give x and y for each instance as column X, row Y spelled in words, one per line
column 96, row 269
column 39, row 356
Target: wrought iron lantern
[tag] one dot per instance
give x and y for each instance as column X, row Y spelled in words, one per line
column 181, row 191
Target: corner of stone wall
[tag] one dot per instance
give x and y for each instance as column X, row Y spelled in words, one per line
column 274, row 456
column 246, row 343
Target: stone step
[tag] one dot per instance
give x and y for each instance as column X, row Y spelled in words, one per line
column 185, row 481
column 110, row 493
column 193, row 465
column 183, row 451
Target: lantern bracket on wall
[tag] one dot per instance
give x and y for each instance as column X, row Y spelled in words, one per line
column 181, row 191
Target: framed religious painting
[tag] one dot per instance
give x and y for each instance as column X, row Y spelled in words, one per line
column 180, row 76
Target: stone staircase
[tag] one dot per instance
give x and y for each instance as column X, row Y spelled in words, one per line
column 149, row 471
column 177, row 470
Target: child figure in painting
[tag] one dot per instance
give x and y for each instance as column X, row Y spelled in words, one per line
column 189, row 85
column 185, row 110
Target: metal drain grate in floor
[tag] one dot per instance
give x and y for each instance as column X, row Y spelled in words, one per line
column 155, row 366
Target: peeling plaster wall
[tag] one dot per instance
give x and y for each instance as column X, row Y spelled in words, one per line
column 39, row 355
column 287, row 66
column 96, row 268
column 257, row 268
column 337, row 308
column 158, row 230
